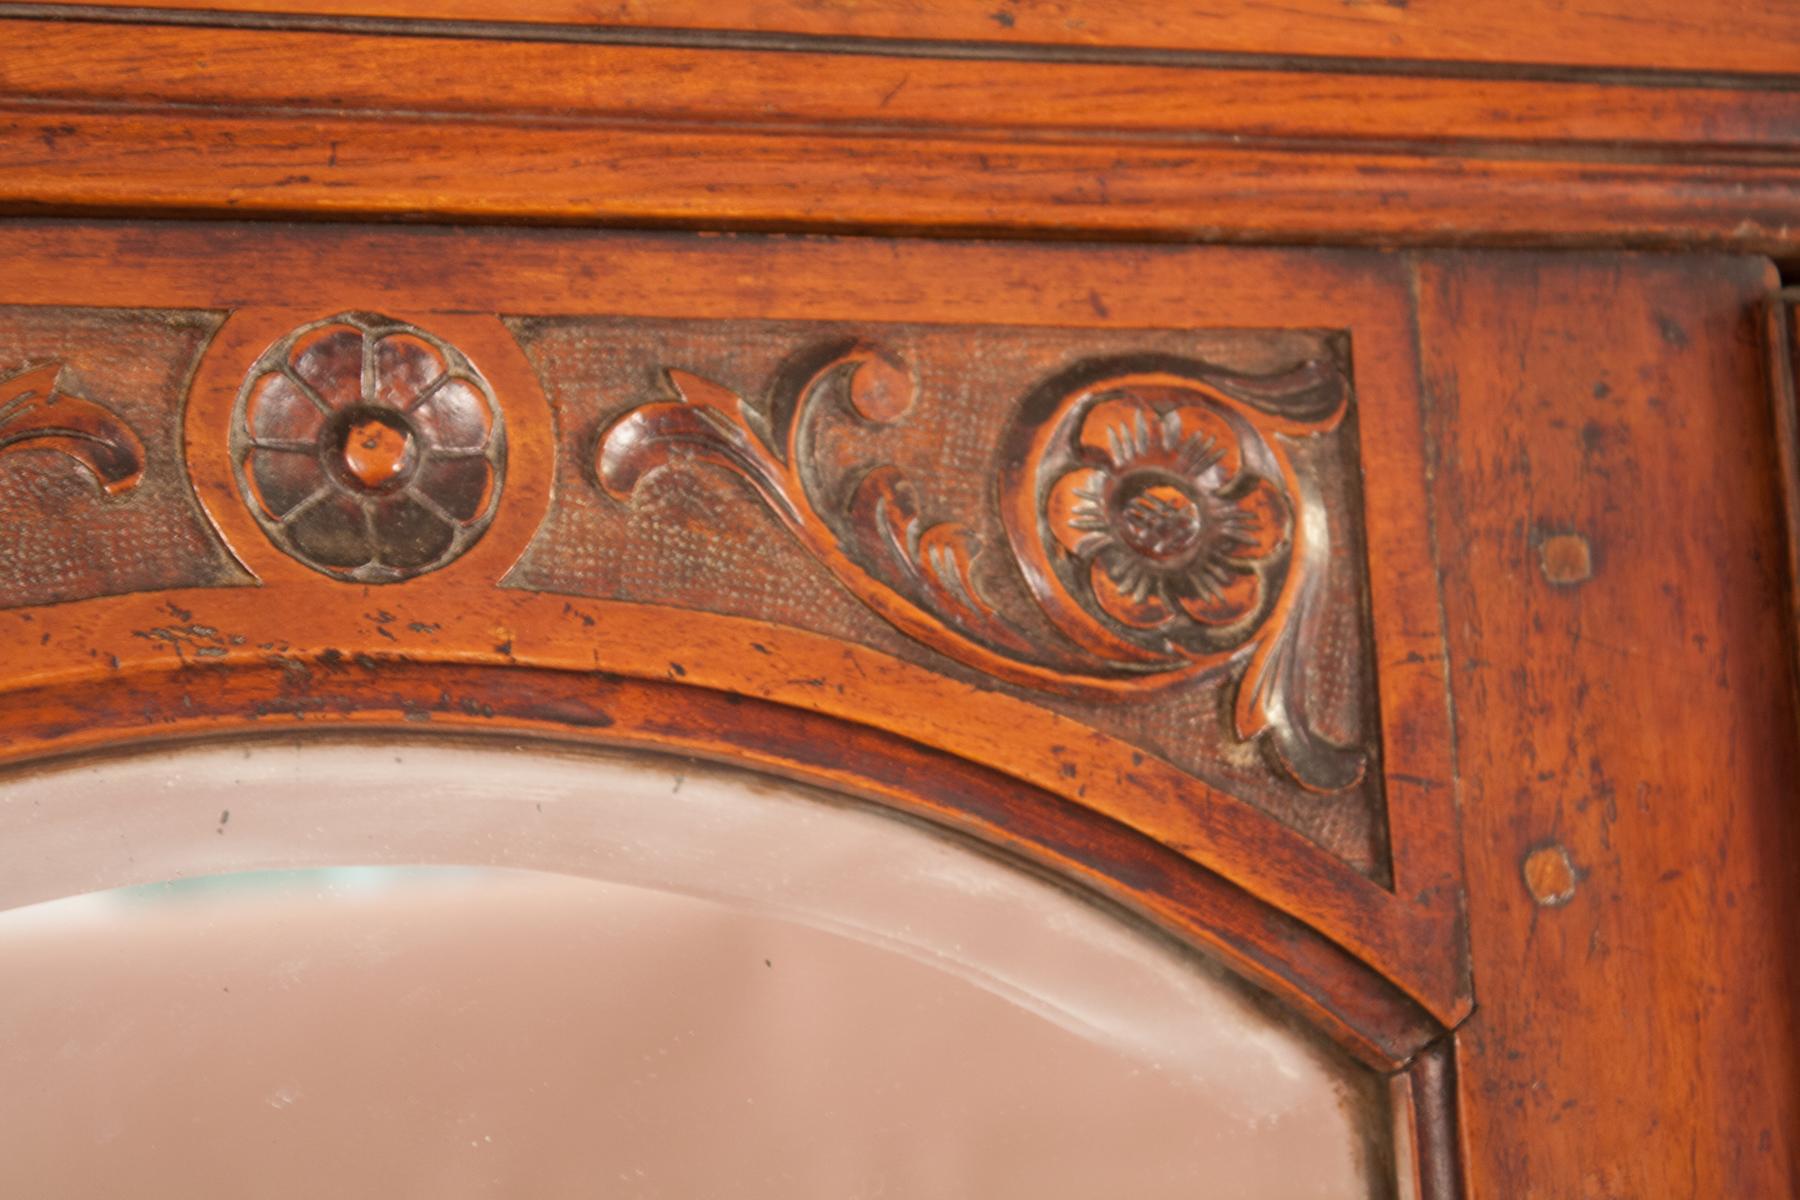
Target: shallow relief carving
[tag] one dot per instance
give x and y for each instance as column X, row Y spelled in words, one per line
column 36, row 413
column 1147, row 503
column 371, row 450
column 1155, row 533
column 94, row 495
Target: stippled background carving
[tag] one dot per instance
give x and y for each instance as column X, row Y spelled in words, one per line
column 60, row 537
column 699, row 538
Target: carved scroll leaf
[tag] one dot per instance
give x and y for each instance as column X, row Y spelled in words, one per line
column 917, row 576
column 933, row 562
column 1152, row 513
column 34, row 414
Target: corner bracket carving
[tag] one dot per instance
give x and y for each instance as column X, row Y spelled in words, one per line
column 1152, row 513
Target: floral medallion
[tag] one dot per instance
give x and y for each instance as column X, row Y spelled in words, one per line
column 1164, row 521
column 368, row 449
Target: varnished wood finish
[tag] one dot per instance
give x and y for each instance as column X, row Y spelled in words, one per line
column 1579, row 515
column 187, row 120
column 1751, row 37
column 456, row 615
column 1783, row 332
column 1571, row 478
column 486, row 79
column 1635, row 1035
column 1318, row 979
column 1148, row 502
column 369, row 449
column 34, row 413
column 64, row 535
column 1428, row 1158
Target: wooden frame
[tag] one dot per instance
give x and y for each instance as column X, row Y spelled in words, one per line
column 1580, row 582
column 1382, row 969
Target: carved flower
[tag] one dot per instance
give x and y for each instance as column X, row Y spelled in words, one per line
column 369, row 450
column 1169, row 523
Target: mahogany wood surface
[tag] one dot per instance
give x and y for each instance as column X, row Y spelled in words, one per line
column 1378, row 964
column 1625, row 735
column 1577, row 951
column 1413, row 930
column 147, row 118
column 423, row 72
column 1753, row 36
column 1615, row 601
column 1783, row 333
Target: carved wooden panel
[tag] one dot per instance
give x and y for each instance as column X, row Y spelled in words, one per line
column 1154, row 532
column 1116, row 559
column 1043, row 575
column 94, row 496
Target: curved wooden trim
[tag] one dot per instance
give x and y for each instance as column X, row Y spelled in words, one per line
column 98, row 670
column 158, row 702
column 453, row 281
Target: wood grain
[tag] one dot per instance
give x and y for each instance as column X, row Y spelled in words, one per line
column 79, row 63
column 113, row 118
column 1783, row 332
column 451, row 283
column 1603, row 543
column 1753, row 37
column 1636, row 1031
column 1316, row 978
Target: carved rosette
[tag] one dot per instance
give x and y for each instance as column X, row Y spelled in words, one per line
column 1159, row 523
column 1155, row 524
column 368, row 449
column 1153, row 514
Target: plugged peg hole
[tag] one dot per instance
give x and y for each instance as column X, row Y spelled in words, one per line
column 1550, row 876
column 1566, row 559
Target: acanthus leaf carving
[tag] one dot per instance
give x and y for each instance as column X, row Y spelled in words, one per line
column 1151, row 510
column 36, row 414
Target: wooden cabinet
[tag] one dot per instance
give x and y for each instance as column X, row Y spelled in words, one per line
column 1408, row 626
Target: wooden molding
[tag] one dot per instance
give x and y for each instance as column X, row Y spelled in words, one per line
column 310, row 631
column 1783, row 334
column 159, row 118
column 1670, row 34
